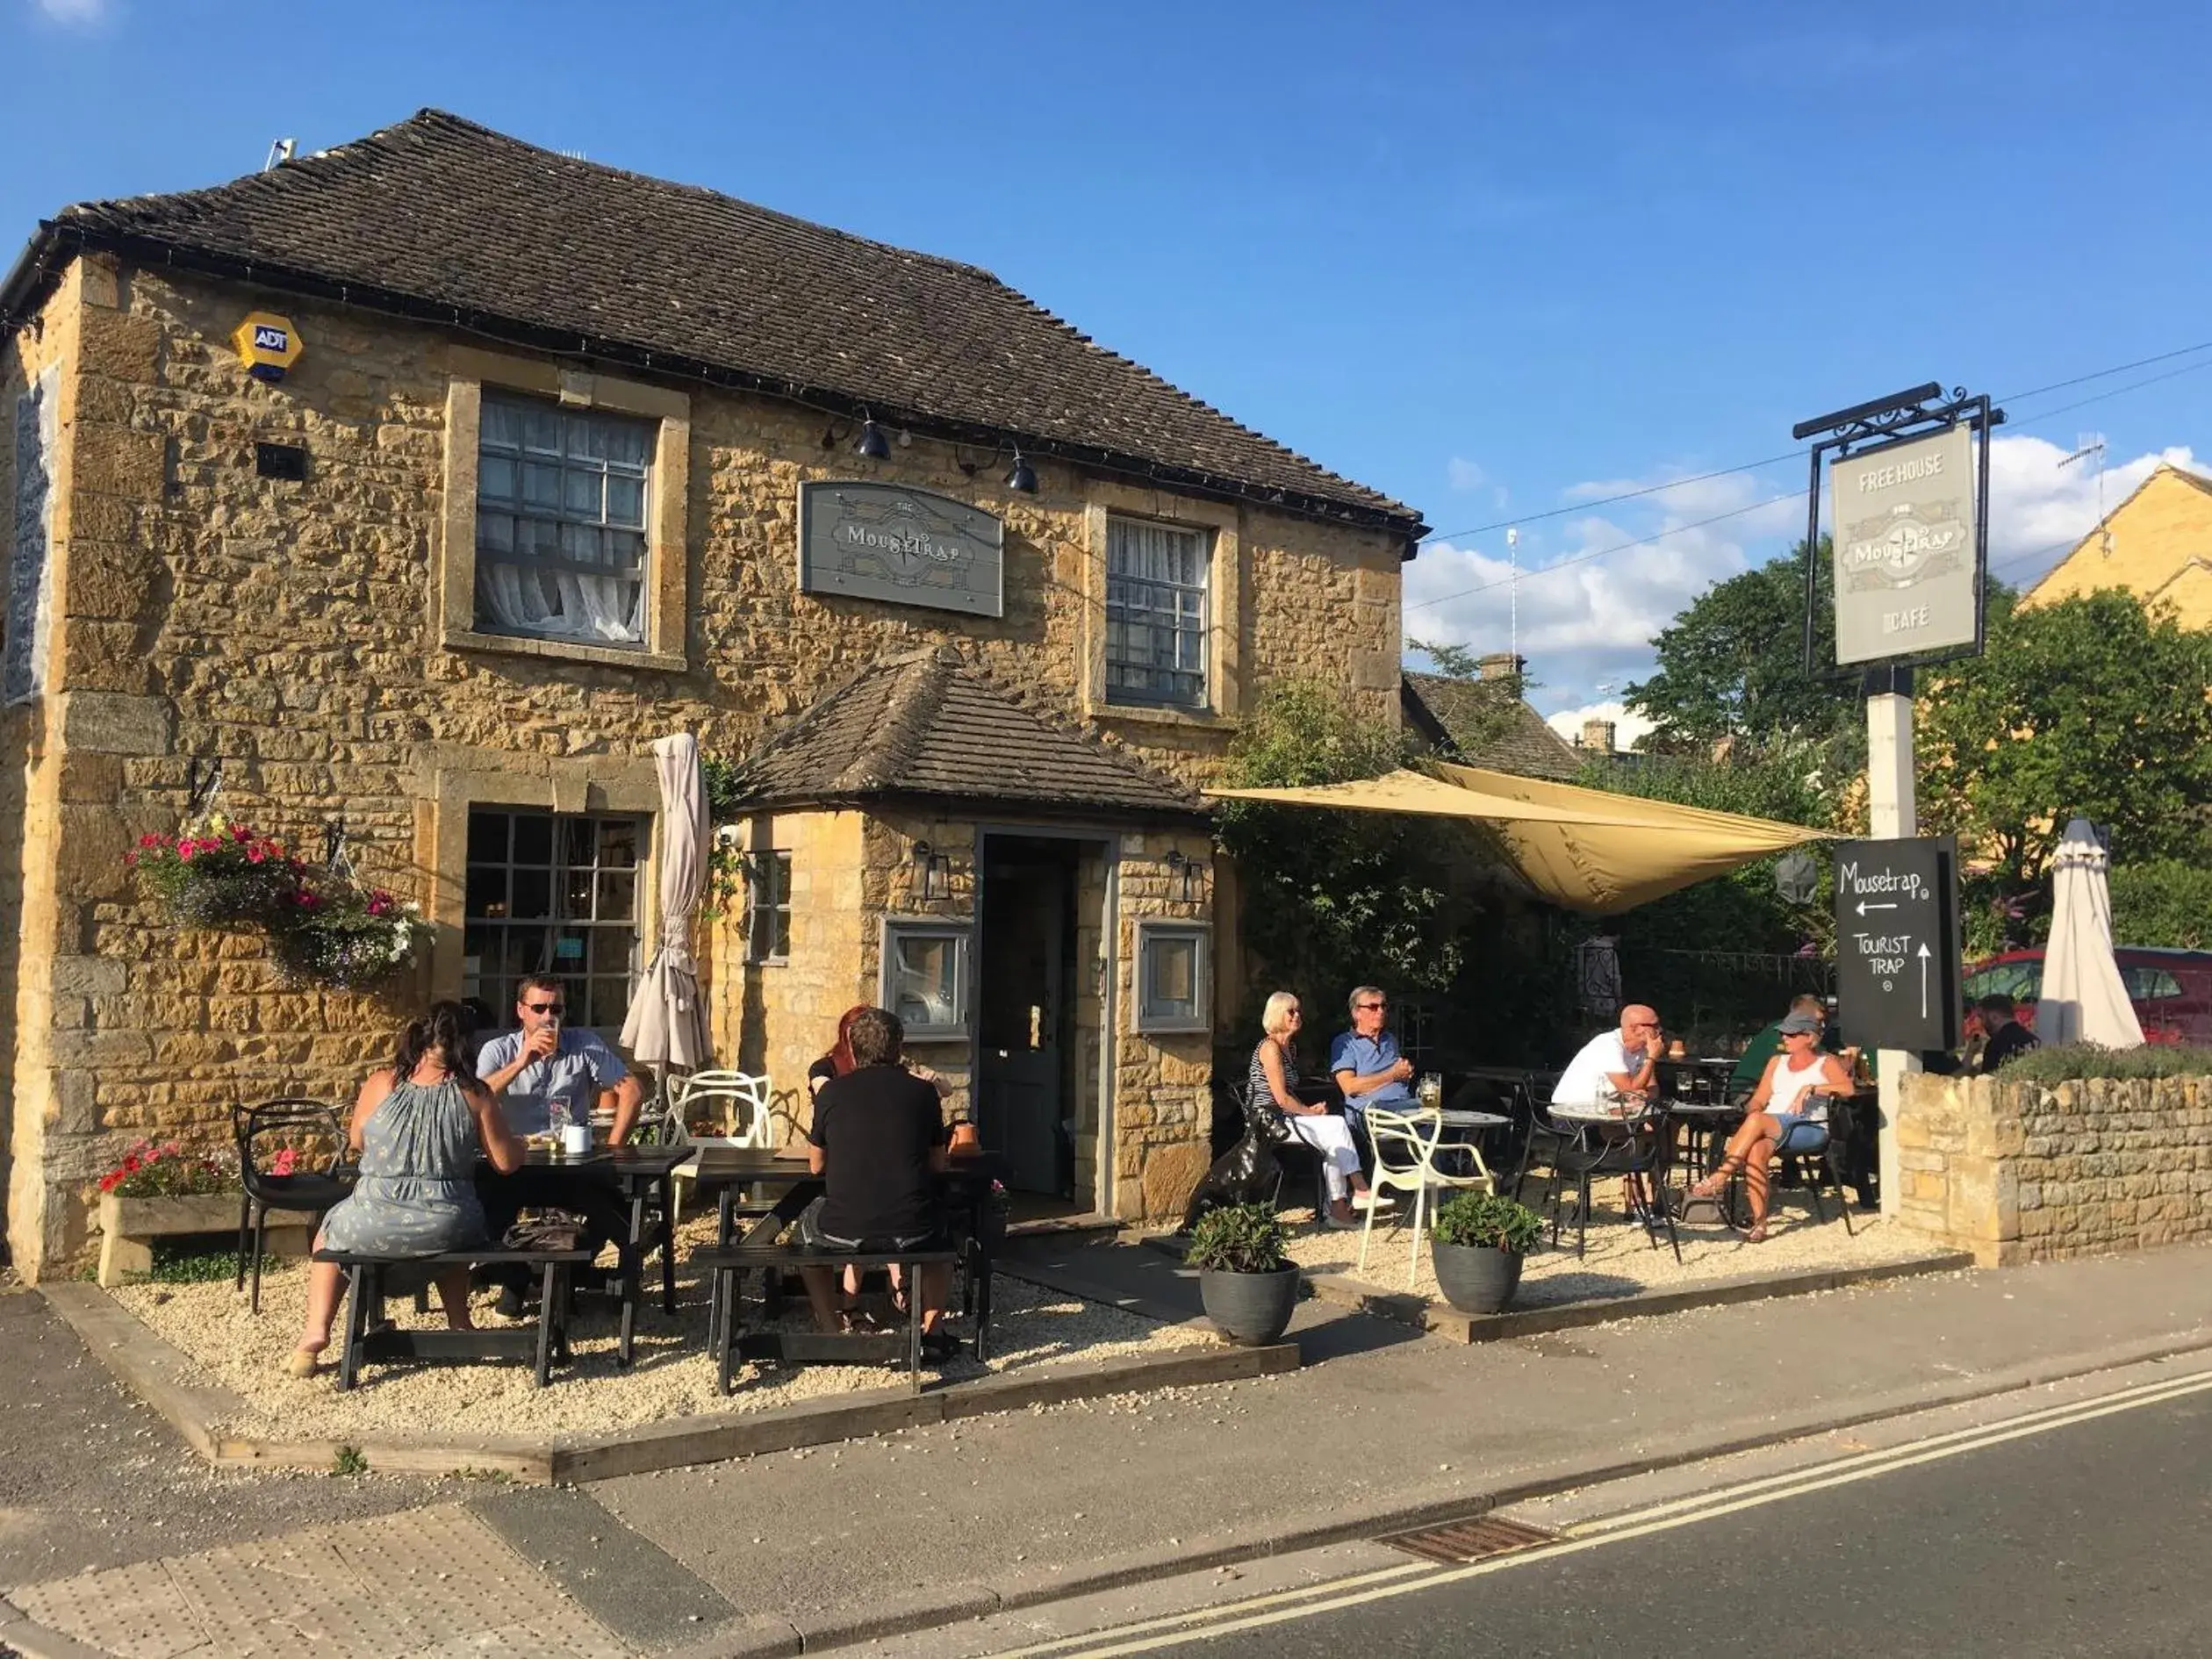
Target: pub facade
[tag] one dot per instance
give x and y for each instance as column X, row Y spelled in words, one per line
column 397, row 499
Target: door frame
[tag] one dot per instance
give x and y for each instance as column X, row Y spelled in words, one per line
column 1108, row 841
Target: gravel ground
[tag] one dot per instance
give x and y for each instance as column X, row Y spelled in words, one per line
column 1619, row 1260
column 672, row 1376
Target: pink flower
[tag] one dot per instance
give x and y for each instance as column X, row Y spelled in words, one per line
column 130, row 861
column 240, row 832
column 149, row 840
column 285, row 1162
column 186, row 849
column 253, row 855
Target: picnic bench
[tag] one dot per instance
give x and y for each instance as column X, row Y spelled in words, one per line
column 727, row 1262
column 364, row 1301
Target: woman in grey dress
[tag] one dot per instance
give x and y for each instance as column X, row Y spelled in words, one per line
column 418, row 1127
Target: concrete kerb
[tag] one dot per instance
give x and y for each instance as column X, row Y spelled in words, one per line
column 952, row 1602
column 20, row 1634
column 1440, row 1320
column 167, row 1380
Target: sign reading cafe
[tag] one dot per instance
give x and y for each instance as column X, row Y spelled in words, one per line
column 907, row 547
column 1905, row 550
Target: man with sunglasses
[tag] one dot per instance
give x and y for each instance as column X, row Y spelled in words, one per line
column 549, row 1072
column 1365, row 1061
column 1615, row 1066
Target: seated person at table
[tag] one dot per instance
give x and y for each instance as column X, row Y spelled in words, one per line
column 1273, row 1066
column 1615, row 1066
column 1365, row 1061
column 1766, row 1044
column 2008, row 1038
column 1784, row 1115
column 838, row 1060
column 879, row 1142
column 547, row 1070
column 418, row 1126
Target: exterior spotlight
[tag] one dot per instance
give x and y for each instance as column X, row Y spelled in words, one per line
column 1022, row 477
column 872, row 442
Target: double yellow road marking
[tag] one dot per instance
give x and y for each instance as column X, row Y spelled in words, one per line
column 1387, row 1583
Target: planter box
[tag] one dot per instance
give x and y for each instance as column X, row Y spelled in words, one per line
column 125, row 1223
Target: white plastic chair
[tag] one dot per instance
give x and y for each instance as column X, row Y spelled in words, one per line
column 1405, row 1146
column 740, row 1099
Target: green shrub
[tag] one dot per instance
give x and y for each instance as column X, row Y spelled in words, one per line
column 1487, row 1221
column 1237, row 1238
column 2165, row 902
column 2066, row 1062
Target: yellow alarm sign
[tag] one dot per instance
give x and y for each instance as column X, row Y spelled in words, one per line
column 267, row 344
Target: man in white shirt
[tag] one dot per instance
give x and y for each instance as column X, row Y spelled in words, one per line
column 1613, row 1065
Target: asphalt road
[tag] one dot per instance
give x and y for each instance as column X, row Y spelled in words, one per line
column 2091, row 1539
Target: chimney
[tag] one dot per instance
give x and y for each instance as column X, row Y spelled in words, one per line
column 1502, row 665
column 1597, row 736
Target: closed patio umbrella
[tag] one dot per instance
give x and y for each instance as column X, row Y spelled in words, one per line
column 2084, row 999
column 666, row 1026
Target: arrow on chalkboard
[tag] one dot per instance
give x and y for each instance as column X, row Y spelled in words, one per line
column 1864, row 907
column 1923, row 956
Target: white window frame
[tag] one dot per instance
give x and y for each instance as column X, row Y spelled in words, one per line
column 603, row 475
column 1203, row 538
column 961, row 934
column 1200, row 938
column 779, row 890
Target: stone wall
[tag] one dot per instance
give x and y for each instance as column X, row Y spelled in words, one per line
column 297, row 633
column 2027, row 1172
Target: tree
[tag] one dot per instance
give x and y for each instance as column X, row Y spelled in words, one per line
column 2091, row 706
column 1732, row 666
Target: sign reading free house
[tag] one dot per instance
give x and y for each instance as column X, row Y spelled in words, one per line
column 909, row 547
column 1905, row 576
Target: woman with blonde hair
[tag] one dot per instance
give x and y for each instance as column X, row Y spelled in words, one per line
column 1273, row 1066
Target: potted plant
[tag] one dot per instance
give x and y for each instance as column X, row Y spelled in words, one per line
column 1477, row 1242
column 349, row 937
column 1248, row 1286
column 158, row 1192
column 214, row 874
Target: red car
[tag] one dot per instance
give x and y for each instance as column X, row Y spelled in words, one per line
column 2171, row 990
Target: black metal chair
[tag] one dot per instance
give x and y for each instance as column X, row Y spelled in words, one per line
column 293, row 1121
column 1638, row 1155
column 1820, row 1159
column 1541, row 1138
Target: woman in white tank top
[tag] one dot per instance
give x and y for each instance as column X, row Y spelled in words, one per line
column 1777, row 1110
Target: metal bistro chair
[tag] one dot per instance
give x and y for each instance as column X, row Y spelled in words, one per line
column 1819, row 1149
column 1638, row 1155
column 1542, row 1139
column 738, row 1100
column 290, row 1120
column 1406, row 1149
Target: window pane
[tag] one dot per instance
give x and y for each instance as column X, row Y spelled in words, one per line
column 582, row 492
column 780, row 941
column 925, row 978
column 1174, row 972
column 626, row 501
column 533, row 837
column 540, row 485
column 540, row 428
column 617, row 896
column 532, row 894
column 618, row 842
column 487, row 836
column 576, row 895
column 501, row 423
column 579, row 838
column 487, row 891
column 495, row 479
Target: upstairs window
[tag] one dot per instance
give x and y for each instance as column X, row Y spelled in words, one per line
column 561, row 503
column 1156, row 585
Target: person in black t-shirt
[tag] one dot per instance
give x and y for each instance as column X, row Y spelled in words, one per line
column 2007, row 1036
column 878, row 1141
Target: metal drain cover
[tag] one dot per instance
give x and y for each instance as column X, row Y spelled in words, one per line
column 1469, row 1539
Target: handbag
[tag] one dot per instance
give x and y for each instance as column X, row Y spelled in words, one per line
column 544, row 1232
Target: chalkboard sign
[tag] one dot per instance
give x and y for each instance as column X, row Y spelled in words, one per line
column 1897, row 943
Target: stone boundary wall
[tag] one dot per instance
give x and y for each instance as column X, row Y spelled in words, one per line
column 2029, row 1171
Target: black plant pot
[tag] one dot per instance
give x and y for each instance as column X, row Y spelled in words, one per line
column 1252, row 1309
column 1477, row 1278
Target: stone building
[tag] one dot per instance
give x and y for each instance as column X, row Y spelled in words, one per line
column 1487, row 722
column 416, row 486
column 2157, row 545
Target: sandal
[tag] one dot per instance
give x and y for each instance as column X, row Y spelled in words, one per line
column 1757, row 1235
column 1716, row 1183
column 303, row 1362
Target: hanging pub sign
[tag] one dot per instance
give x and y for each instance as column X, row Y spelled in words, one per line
column 1906, row 576
column 267, row 344
column 906, row 547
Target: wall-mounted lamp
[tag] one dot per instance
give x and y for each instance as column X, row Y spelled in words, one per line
column 1022, row 477
column 1189, row 877
column 872, row 444
column 932, row 872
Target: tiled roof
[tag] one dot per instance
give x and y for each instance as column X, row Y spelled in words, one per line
column 1486, row 728
column 441, row 217
column 928, row 724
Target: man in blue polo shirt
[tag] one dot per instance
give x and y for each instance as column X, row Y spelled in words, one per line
column 1366, row 1062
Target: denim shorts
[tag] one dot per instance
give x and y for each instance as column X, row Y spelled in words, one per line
column 812, row 1236
column 1799, row 1133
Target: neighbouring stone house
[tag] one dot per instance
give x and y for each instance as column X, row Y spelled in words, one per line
column 1486, row 721
column 563, row 459
column 2157, row 545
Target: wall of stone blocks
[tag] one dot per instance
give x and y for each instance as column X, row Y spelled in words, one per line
column 2029, row 1171
column 293, row 631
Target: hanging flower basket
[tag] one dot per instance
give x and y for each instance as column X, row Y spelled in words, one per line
column 217, row 874
column 352, row 939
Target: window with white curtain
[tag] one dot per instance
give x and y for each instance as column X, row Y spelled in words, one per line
column 1156, row 582
column 561, row 504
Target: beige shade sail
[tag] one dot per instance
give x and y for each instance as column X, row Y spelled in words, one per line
column 1585, row 850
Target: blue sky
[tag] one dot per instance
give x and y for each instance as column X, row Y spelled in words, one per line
column 1495, row 262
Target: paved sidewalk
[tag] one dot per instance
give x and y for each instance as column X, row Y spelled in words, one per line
column 831, row 1543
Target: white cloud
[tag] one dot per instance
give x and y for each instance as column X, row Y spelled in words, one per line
column 1464, row 474
column 1628, row 728
column 2038, row 512
column 74, row 13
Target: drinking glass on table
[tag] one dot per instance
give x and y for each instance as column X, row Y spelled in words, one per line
column 1430, row 1090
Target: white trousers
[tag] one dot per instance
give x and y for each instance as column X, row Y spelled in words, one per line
column 1332, row 1137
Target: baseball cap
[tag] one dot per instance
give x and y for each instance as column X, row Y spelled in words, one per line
column 1797, row 1024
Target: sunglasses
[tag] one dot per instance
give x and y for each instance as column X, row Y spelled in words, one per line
column 1372, row 1008
column 547, row 1007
